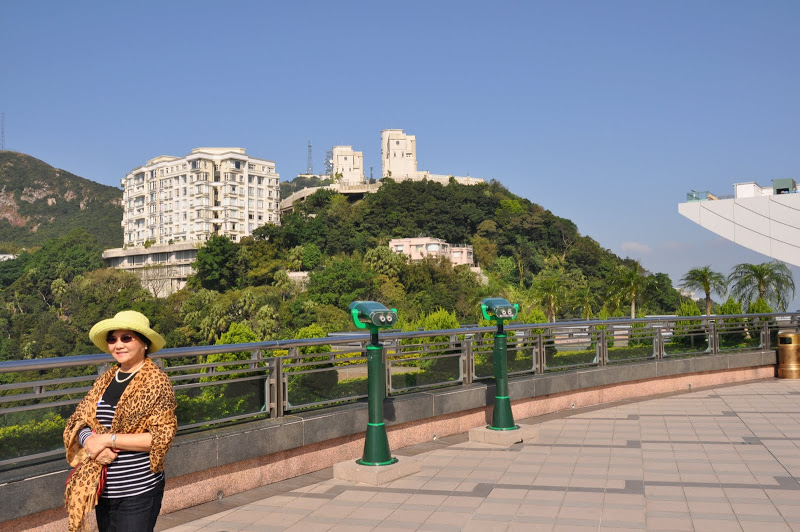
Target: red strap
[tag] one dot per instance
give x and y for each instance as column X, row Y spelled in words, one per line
column 102, row 484
column 72, row 473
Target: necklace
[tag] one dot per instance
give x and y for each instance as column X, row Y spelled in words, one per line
column 138, row 367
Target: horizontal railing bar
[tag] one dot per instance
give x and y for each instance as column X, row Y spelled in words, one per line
column 179, row 352
column 222, row 420
column 217, row 383
column 40, row 406
column 48, row 382
column 50, row 393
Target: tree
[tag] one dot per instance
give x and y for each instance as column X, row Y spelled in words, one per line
column 771, row 281
column 341, row 282
column 630, row 281
column 550, row 289
column 215, row 264
column 384, row 261
column 706, row 280
column 156, row 278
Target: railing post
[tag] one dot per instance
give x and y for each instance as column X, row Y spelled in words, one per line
column 468, row 360
column 764, row 333
column 387, row 379
column 276, row 386
column 658, row 344
column 601, row 350
column 540, row 362
column 713, row 337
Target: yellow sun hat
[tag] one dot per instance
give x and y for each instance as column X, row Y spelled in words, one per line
column 126, row 320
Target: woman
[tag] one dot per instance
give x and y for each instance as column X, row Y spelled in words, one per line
column 118, row 436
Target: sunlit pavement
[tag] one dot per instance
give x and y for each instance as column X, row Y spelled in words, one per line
column 722, row 458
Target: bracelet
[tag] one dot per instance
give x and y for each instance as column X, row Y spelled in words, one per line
column 114, row 441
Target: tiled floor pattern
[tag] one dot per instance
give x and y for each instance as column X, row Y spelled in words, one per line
column 723, row 459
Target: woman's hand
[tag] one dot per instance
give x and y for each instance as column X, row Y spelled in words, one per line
column 96, row 444
column 105, row 457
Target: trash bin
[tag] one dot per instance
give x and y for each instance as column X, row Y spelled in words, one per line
column 788, row 355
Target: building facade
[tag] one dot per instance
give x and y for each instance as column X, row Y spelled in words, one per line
column 399, row 161
column 421, row 247
column 220, row 191
column 763, row 219
column 163, row 269
column 349, row 164
column 398, row 154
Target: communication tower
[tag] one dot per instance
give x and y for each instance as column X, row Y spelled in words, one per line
column 329, row 163
column 310, row 162
column 2, row 131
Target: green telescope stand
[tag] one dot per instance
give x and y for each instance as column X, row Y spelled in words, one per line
column 376, row 445
column 502, row 418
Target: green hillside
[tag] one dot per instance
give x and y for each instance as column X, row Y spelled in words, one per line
column 39, row 203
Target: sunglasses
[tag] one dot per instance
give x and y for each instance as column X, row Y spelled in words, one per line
column 125, row 338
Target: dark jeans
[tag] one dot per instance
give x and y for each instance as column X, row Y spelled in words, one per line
column 130, row 514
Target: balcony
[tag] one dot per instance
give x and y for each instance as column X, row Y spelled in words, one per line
column 436, row 382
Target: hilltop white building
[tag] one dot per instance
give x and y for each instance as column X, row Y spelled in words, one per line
column 764, row 219
column 399, row 160
column 349, row 164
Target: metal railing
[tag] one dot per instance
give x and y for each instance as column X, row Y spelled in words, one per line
column 228, row 383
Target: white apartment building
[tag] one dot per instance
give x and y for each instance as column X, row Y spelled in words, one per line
column 399, row 160
column 210, row 191
column 349, row 164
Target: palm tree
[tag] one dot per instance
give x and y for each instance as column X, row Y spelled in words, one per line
column 549, row 287
column 769, row 280
column 706, row 280
column 629, row 283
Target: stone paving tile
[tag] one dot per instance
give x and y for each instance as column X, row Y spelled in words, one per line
column 721, row 459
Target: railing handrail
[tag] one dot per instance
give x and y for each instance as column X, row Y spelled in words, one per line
column 347, row 338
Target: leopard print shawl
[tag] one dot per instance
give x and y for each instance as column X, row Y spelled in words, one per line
column 147, row 405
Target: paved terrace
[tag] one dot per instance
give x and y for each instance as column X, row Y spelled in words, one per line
column 723, row 458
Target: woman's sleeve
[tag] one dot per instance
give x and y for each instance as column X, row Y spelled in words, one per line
column 162, row 424
column 75, row 423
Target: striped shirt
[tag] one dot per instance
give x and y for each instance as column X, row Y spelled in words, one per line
column 130, row 473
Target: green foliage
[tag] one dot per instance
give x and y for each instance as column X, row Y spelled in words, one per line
column 320, row 379
column 771, row 281
column 759, row 306
column 51, row 202
column 238, row 333
column 341, row 282
column 707, row 281
column 730, row 307
column 215, row 264
column 31, row 437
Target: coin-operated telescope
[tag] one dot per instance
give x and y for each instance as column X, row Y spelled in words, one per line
column 374, row 316
column 498, row 309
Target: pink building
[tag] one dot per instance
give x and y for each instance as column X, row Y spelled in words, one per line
column 421, row 247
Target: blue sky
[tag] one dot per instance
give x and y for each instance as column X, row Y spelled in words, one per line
column 606, row 113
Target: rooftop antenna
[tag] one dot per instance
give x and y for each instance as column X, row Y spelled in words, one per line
column 310, row 162
column 2, row 131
